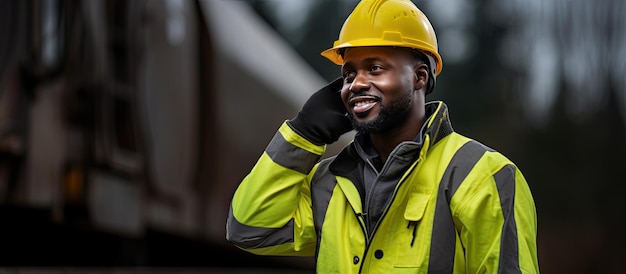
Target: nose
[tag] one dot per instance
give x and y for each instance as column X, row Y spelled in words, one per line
column 360, row 83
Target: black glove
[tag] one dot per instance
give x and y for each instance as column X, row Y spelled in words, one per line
column 323, row 118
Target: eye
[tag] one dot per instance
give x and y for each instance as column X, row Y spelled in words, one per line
column 348, row 75
column 376, row 67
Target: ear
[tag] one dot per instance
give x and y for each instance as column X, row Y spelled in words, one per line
column 421, row 76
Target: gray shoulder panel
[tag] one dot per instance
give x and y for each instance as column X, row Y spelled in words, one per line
column 290, row 156
column 250, row 237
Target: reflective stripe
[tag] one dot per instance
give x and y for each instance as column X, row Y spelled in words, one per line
column 444, row 236
column 509, row 255
column 321, row 193
column 290, row 156
column 246, row 236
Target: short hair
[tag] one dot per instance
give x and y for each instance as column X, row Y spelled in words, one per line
column 419, row 55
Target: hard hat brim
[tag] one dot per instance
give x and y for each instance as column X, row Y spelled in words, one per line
column 333, row 55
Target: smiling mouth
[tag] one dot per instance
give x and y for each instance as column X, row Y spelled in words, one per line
column 362, row 104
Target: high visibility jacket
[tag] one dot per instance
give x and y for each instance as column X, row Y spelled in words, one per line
column 440, row 204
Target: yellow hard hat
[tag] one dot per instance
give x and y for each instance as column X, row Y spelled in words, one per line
column 397, row 23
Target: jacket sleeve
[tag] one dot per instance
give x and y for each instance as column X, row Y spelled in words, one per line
column 270, row 212
column 496, row 220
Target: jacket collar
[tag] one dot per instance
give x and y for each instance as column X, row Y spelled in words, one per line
column 436, row 128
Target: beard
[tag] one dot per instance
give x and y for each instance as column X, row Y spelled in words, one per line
column 389, row 116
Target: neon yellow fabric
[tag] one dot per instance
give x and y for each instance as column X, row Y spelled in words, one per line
column 272, row 195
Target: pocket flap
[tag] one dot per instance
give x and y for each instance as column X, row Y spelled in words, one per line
column 416, row 206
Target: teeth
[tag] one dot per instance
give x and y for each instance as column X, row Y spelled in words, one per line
column 362, row 103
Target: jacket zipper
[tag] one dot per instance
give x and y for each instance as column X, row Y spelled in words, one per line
column 368, row 238
column 395, row 192
column 361, row 218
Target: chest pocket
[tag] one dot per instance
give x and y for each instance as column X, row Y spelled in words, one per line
column 416, row 206
column 412, row 244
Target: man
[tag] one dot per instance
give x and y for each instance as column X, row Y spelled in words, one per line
column 408, row 195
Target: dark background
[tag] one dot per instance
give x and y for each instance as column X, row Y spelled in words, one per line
column 121, row 141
